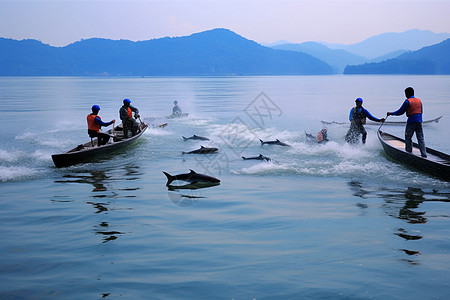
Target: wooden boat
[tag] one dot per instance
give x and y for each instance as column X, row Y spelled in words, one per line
column 436, row 163
column 395, row 123
column 90, row 151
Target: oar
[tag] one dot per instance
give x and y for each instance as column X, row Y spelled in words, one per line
column 383, row 122
column 112, row 130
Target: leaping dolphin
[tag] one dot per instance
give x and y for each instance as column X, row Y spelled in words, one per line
column 276, row 142
column 259, row 157
column 195, row 137
column 202, row 150
column 191, row 177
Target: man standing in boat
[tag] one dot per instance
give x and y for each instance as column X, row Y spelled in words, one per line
column 126, row 115
column 358, row 115
column 95, row 123
column 413, row 108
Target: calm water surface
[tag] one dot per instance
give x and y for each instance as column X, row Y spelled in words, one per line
column 329, row 221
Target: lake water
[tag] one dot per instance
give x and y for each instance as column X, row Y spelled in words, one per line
column 330, row 221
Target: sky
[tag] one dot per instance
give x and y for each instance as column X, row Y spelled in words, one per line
column 62, row 22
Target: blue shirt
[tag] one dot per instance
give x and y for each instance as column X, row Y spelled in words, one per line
column 415, row 118
column 366, row 113
column 100, row 122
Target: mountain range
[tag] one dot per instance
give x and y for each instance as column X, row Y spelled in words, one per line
column 372, row 50
column 431, row 60
column 213, row 52
column 223, row 52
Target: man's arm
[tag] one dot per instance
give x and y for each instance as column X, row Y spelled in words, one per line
column 401, row 110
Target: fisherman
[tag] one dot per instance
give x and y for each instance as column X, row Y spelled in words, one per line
column 126, row 115
column 414, row 109
column 95, row 123
column 176, row 110
column 322, row 136
column 358, row 115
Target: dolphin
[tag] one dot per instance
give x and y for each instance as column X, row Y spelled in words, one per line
column 259, row 157
column 202, row 150
column 276, row 142
column 195, row 137
column 192, row 186
column 191, row 177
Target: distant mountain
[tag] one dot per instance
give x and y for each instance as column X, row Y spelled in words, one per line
column 338, row 59
column 385, row 43
column 390, row 55
column 213, row 52
column 431, row 60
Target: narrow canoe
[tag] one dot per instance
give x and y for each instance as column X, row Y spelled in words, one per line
column 395, row 123
column 89, row 153
column 436, row 164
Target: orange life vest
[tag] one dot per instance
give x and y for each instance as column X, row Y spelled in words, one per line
column 320, row 137
column 130, row 113
column 415, row 107
column 91, row 123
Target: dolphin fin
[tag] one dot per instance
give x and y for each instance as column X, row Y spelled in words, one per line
column 170, row 178
column 184, row 138
column 192, row 171
column 261, row 141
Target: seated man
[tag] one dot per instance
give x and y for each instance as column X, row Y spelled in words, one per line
column 126, row 115
column 95, row 123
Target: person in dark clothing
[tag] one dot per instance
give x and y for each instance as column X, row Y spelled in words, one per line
column 358, row 115
column 126, row 115
column 95, row 123
column 414, row 109
column 176, row 110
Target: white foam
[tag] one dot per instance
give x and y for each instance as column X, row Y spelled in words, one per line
column 264, row 168
column 16, row 173
column 158, row 131
column 10, row 156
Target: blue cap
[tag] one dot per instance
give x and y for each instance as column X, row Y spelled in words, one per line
column 95, row 108
column 359, row 99
column 126, row 101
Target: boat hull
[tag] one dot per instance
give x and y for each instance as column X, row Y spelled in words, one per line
column 436, row 164
column 87, row 153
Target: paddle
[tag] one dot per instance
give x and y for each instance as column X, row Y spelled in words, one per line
column 383, row 122
column 112, row 130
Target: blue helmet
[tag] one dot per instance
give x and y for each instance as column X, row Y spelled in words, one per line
column 359, row 99
column 95, row 107
column 126, row 101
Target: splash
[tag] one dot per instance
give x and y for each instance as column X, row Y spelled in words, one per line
column 16, row 173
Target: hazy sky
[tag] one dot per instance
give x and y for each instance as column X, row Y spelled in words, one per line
column 61, row 22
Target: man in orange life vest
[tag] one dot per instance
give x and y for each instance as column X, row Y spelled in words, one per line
column 358, row 115
column 95, row 123
column 413, row 108
column 126, row 115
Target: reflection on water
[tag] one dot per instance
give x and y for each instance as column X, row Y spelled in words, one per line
column 403, row 205
column 96, row 178
column 186, row 198
column 108, row 235
column 104, row 187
